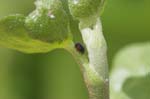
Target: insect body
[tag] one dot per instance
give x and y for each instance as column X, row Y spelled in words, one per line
column 79, row 48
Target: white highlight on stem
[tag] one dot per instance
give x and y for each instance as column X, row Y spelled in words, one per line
column 96, row 47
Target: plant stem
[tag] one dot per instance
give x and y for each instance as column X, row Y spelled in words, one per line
column 93, row 66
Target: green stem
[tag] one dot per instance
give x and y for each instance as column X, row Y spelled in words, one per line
column 94, row 65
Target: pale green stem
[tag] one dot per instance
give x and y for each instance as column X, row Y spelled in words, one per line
column 94, row 67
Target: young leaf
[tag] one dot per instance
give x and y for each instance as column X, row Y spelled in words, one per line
column 84, row 8
column 86, row 11
column 14, row 35
column 49, row 22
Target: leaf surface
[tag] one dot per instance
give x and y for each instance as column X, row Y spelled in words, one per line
column 13, row 34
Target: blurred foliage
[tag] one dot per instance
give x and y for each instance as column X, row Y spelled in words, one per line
column 134, row 87
column 130, row 76
column 124, row 22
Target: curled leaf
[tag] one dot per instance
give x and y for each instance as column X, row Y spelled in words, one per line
column 48, row 23
column 14, row 35
column 86, row 11
column 84, row 8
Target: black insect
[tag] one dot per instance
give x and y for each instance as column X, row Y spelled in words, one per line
column 79, row 48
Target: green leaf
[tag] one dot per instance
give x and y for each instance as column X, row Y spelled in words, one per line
column 84, row 8
column 48, row 23
column 130, row 76
column 14, row 35
column 86, row 11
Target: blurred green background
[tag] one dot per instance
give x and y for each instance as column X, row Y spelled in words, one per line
column 55, row 75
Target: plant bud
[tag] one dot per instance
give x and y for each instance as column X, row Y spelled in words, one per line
column 85, row 8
